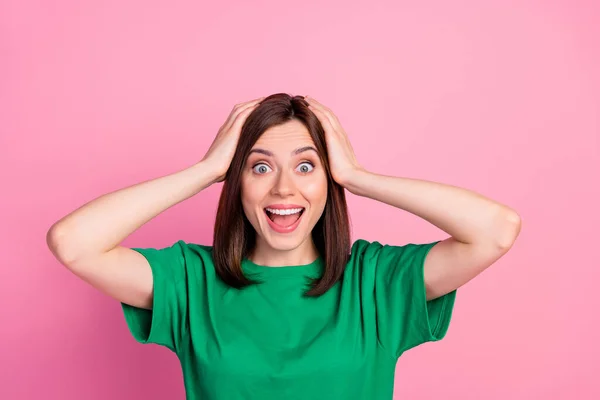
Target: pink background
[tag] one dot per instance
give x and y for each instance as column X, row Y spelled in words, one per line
column 503, row 99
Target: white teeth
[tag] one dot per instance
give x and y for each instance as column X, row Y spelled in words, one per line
column 289, row 211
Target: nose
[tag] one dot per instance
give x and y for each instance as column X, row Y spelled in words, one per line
column 283, row 185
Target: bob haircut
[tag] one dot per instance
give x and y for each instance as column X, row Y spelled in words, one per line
column 235, row 237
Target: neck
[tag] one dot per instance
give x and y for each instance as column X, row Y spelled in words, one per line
column 264, row 254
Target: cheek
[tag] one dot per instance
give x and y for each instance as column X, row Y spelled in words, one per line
column 316, row 190
column 247, row 195
column 252, row 194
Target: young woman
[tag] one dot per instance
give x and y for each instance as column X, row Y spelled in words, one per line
column 283, row 305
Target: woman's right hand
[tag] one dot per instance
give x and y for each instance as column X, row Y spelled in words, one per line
column 221, row 151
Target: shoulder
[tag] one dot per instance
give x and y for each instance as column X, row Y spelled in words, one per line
column 363, row 249
column 179, row 253
column 194, row 252
column 376, row 252
column 200, row 249
column 187, row 261
column 363, row 256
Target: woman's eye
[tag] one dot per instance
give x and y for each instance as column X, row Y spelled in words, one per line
column 305, row 167
column 261, row 168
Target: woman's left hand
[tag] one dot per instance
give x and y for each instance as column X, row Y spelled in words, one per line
column 342, row 161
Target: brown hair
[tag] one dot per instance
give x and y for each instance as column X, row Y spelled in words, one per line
column 234, row 236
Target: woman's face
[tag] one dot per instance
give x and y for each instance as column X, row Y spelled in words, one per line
column 283, row 175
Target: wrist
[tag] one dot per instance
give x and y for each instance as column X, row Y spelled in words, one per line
column 203, row 174
column 352, row 180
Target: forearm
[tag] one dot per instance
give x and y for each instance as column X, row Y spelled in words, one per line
column 465, row 215
column 103, row 223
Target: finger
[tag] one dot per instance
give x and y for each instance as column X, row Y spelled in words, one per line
column 240, row 108
column 330, row 115
column 322, row 106
column 314, row 101
column 242, row 105
column 241, row 117
column 327, row 125
column 315, row 105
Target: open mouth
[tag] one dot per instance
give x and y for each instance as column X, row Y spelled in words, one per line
column 284, row 221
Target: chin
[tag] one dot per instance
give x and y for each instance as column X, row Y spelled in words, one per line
column 284, row 243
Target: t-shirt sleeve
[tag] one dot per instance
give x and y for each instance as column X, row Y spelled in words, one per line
column 405, row 319
column 166, row 323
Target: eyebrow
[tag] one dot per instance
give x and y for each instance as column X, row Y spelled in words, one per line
column 295, row 152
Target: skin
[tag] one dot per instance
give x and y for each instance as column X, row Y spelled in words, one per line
column 87, row 240
column 284, row 178
column 481, row 230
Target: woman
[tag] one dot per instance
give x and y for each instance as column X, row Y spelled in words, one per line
column 283, row 306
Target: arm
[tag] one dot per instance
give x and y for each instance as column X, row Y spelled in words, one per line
column 100, row 225
column 87, row 240
column 481, row 229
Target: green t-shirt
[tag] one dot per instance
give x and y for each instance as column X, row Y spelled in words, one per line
column 268, row 342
